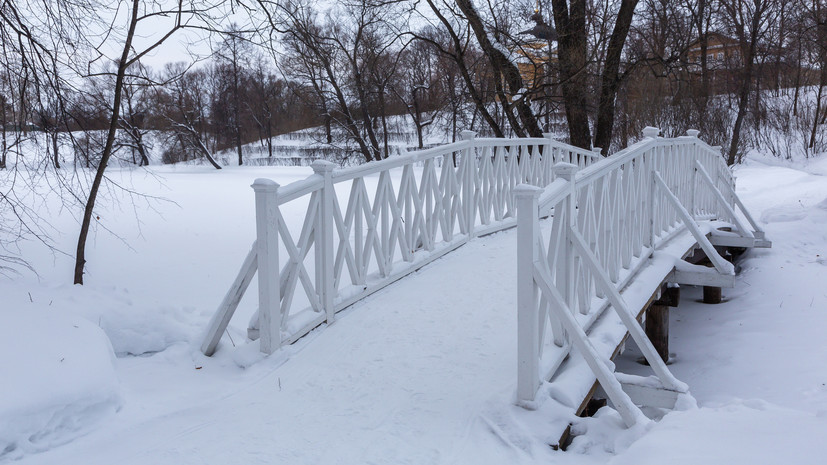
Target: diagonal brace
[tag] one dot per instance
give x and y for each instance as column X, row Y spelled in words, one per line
column 723, row 266
column 630, row 413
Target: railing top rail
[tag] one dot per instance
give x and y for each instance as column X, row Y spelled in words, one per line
column 398, row 161
column 511, row 141
column 599, row 169
column 300, row 188
column 367, row 169
column 553, row 194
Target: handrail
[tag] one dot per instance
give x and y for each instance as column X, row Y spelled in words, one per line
column 397, row 215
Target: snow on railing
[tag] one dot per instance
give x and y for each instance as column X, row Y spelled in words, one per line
column 606, row 222
column 367, row 226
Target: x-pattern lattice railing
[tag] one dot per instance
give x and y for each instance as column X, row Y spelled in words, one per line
column 607, row 220
column 367, row 226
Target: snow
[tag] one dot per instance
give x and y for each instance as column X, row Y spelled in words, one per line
column 59, row 380
column 422, row 372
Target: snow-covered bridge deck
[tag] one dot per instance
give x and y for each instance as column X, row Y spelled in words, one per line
column 617, row 231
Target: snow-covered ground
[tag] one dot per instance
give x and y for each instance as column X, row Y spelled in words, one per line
column 421, row 372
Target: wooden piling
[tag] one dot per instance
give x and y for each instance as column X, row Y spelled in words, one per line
column 657, row 320
column 712, row 295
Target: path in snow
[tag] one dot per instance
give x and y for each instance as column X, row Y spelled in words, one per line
column 400, row 378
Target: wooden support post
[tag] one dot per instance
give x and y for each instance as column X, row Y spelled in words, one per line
column 267, row 250
column 657, row 320
column 712, row 295
column 657, row 329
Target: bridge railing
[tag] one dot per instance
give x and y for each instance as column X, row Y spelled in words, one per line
column 367, row 226
column 606, row 222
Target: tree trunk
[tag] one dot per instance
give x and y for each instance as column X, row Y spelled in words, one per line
column 818, row 107
column 237, row 109
column 54, row 136
column 797, row 79
column 572, row 54
column 703, row 42
column 743, row 102
column 611, row 77
column 80, row 257
column 363, row 108
column 383, row 115
column 269, row 136
column 349, row 121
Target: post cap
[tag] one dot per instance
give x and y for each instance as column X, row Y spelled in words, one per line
column 549, row 135
column 527, row 191
column 467, row 135
column 692, row 132
column 651, row 131
column 565, row 170
column 322, row 166
column 597, row 150
column 265, row 185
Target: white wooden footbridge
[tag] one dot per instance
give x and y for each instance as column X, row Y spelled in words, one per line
column 599, row 241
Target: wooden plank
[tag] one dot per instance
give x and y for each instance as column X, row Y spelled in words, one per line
column 697, row 275
column 648, row 396
column 731, row 240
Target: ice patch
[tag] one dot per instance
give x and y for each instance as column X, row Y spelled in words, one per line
column 58, row 380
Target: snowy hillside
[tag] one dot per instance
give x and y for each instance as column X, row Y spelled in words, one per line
column 422, row 372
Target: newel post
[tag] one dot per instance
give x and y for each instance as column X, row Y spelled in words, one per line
column 693, row 133
column 528, row 330
column 468, row 164
column 651, row 132
column 565, row 275
column 324, row 240
column 267, row 251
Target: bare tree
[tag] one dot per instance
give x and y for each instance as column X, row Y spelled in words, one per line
column 512, row 97
column 747, row 21
column 456, row 46
column 139, row 14
column 231, row 69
